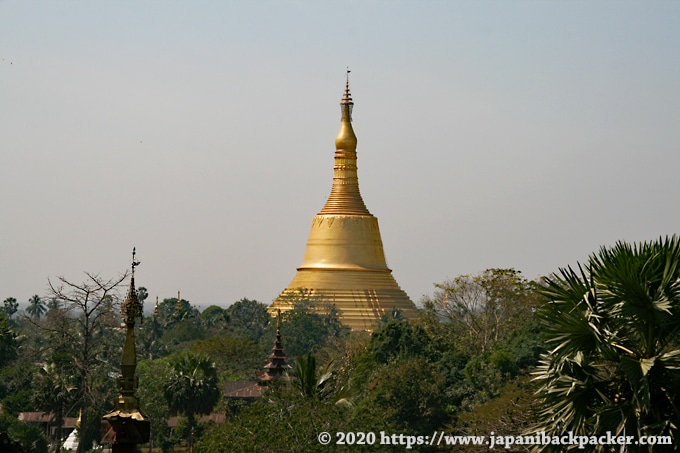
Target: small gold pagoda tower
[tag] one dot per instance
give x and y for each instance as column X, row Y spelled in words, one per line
column 127, row 426
column 344, row 263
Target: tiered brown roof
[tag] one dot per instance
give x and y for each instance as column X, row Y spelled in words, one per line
column 276, row 366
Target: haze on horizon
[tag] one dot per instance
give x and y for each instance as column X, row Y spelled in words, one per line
column 491, row 134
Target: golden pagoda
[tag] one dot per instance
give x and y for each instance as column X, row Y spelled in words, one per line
column 344, row 263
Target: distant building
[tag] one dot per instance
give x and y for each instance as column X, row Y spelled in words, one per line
column 48, row 422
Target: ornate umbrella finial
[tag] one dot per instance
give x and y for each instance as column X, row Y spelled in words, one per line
column 134, row 263
column 132, row 308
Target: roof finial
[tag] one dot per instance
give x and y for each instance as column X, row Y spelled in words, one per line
column 134, row 263
column 131, row 307
column 347, row 98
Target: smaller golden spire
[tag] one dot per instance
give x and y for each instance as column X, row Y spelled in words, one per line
column 127, row 382
column 178, row 305
column 127, row 425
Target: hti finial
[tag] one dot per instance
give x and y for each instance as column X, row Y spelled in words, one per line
column 347, row 98
column 131, row 308
column 134, row 263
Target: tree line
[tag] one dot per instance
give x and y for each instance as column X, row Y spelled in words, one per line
column 589, row 349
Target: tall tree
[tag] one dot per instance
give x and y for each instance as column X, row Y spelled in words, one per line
column 613, row 333
column 8, row 341
column 247, row 319
column 53, row 304
column 484, row 308
column 54, row 392
column 10, row 306
column 239, row 358
column 80, row 333
column 308, row 327
column 36, row 307
column 192, row 388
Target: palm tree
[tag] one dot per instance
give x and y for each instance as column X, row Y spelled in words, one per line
column 54, row 392
column 54, row 304
column 310, row 383
column 8, row 341
column 36, row 307
column 192, row 388
column 613, row 334
column 10, row 306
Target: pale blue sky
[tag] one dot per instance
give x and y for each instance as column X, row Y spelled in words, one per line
column 491, row 134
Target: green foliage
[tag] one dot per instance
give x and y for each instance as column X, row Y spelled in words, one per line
column 525, row 344
column 192, row 387
column 307, row 328
column 36, row 307
column 280, row 422
column 215, row 319
column 9, row 307
column 406, row 376
column 511, row 412
column 16, row 376
column 400, row 339
column 8, row 341
column 142, row 295
column 17, row 402
column 154, row 376
column 504, row 362
column 484, row 309
column 396, row 340
column 247, row 319
column 55, row 390
column 409, row 394
column 173, row 328
column 149, row 339
column 83, row 341
column 29, row 437
column 180, row 335
column 170, row 312
column 309, row 382
column 612, row 333
column 483, row 379
column 53, row 304
column 237, row 358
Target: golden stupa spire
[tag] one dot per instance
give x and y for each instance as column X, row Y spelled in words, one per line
column 344, row 263
column 345, row 197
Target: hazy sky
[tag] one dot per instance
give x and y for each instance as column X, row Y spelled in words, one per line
column 521, row 134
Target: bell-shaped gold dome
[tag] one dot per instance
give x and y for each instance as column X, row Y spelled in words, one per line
column 344, row 263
